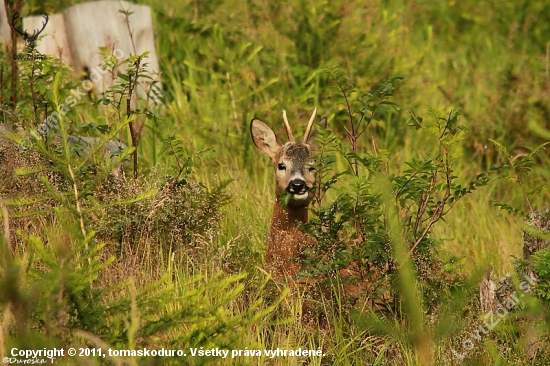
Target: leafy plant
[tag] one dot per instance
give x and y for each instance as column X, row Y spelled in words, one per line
column 124, row 94
column 59, row 285
column 354, row 244
column 520, row 167
column 541, row 267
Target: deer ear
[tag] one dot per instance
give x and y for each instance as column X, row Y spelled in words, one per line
column 264, row 138
column 323, row 123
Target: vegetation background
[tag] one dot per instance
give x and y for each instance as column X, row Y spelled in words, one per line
column 175, row 258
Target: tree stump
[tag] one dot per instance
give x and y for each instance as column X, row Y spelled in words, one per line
column 539, row 222
column 492, row 292
column 487, row 293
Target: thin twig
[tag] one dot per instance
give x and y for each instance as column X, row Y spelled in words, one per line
column 134, row 133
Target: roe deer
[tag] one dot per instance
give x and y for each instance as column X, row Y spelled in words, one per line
column 295, row 175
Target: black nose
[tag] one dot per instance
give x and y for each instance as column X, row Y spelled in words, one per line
column 297, row 186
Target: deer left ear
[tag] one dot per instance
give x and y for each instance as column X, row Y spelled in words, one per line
column 264, row 138
column 323, row 123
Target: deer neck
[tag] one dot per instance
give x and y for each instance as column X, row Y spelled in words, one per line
column 288, row 218
column 286, row 240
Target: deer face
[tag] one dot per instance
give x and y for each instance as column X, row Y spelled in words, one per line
column 294, row 170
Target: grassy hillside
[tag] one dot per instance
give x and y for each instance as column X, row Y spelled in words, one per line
column 175, row 258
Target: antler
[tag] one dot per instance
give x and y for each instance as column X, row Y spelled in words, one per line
column 287, row 127
column 309, row 125
column 37, row 32
column 14, row 17
column 28, row 38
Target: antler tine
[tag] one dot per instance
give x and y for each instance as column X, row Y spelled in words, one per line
column 14, row 17
column 287, row 127
column 37, row 32
column 44, row 23
column 309, row 125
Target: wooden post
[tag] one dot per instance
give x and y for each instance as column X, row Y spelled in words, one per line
column 53, row 40
column 76, row 36
column 92, row 25
column 5, row 30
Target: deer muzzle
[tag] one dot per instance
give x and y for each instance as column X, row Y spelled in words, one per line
column 298, row 188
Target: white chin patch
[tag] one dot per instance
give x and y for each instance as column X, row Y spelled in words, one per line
column 300, row 197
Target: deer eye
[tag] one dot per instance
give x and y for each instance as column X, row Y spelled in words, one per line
column 281, row 167
column 312, row 169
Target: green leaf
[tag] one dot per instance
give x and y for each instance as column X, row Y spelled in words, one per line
column 501, row 148
column 537, row 149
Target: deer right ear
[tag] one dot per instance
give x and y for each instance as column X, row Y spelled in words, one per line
column 264, row 138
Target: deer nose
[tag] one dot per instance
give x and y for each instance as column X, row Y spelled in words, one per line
column 297, row 186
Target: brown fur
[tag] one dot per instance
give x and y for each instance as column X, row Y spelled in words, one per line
column 286, row 240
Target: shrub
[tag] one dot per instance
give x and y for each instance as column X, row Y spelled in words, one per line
column 355, row 245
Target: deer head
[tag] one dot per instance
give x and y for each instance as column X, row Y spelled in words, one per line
column 294, row 169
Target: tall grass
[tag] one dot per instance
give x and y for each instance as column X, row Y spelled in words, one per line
column 225, row 62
